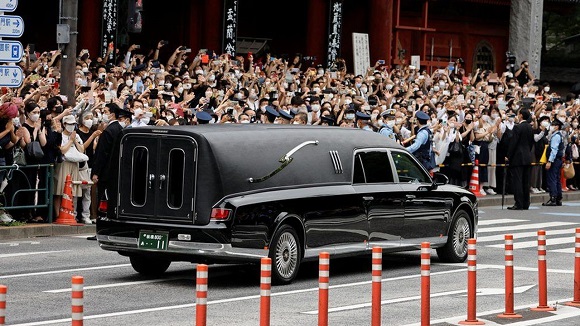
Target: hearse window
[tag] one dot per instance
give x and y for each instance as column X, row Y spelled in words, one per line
column 372, row 167
column 408, row 170
column 139, row 170
column 176, row 173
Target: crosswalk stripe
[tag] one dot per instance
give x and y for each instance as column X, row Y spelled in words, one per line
column 531, row 244
column 562, row 214
column 522, row 235
column 565, row 250
column 499, row 221
column 523, row 227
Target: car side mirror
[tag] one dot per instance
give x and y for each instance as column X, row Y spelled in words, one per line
column 440, row 179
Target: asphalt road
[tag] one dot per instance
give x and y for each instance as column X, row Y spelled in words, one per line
column 38, row 275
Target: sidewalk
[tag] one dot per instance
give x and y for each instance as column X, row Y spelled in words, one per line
column 48, row 230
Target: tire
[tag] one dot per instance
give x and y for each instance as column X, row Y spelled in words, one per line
column 149, row 266
column 286, row 254
column 455, row 250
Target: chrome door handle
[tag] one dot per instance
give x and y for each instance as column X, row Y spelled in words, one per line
column 161, row 179
column 151, row 179
column 368, row 198
column 409, row 197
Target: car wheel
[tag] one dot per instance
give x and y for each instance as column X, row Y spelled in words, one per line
column 285, row 252
column 455, row 251
column 149, row 266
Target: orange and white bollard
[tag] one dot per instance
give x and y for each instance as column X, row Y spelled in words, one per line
column 542, row 274
column 265, row 290
column 576, row 301
column 471, row 284
column 77, row 298
column 201, row 295
column 377, row 276
column 3, row 290
column 323, row 280
column 509, row 279
column 425, row 283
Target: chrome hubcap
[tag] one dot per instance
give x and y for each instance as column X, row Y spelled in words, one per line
column 460, row 235
column 286, row 255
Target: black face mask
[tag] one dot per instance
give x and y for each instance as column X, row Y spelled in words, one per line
column 468, row 122
column 58, row 109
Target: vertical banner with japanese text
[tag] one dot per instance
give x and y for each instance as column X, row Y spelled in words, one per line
column 110, row 10
column 334, row 31
column 230, row 26
column 361, row 53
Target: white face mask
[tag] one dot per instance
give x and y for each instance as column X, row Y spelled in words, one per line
column 525, row 90
column 495, row 115
column 374, row 116
column 295, row 123
column 398, row 121
column 363, row 89
column 69, row 128
column 436, row 88
column 85, row 69
column 106, row 118
column 347, row 101
column 95, row 121
column 88, row 123
column 552, row 128
column 315, row 107
column 316, row 89
column 389, row 87
column 34, row 117
column 546, row 124
column 349, row 116
column 129, row 83
column 391, row 123
column 180, row 90
column 245, row 121
column 123, row 124
column 546, row 89
column 500, row 89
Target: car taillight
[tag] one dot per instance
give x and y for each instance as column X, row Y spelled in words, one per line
column 220, row 213
column 103, row 205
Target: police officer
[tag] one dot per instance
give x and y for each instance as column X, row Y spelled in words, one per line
column 362, row 121
column 422, row 148
column 555, row 152
column 388, row 128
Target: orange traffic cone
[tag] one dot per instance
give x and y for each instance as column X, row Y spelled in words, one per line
column 65, row 214
column 474, row 181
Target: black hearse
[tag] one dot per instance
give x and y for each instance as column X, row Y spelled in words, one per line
column 236, row 193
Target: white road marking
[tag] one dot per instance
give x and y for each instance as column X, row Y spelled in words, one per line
column 103, row 286
column 14, row 244
column 501, row 291
column 565, row 250
column 500, row 221
column 563, row 312
column 516, row 268
column 397, row 300
column 532, row 244
column 562, row 214
column 522, row 235
column 63, row 271
column 18, row 254
column 523, row 227
column 237, row 299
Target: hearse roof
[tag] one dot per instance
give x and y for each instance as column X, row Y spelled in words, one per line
column 245, row 155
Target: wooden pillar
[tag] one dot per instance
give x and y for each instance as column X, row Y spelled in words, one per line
column 317, row 31
column 196, row 27
column 89, row 26
column 381, row 30
column 213, row 16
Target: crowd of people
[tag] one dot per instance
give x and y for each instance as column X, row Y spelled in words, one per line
column 449, row 118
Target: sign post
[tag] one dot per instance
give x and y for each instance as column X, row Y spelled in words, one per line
column 10, row 51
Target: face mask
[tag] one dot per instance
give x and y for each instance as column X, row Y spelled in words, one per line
column 295, row 123
column 245, row 121
column 380, row 123
column 34, row 117
column 199, row 72
column 512, row 120
column 485, row 118
column 546, row 89
column 168, row 86
column 106, row 118
column 358, row 85
column 88, row 123
column 145, row 120
column 363, row 89
column 389, row 87
column 391, row 123
column 81, row 82
column 129, row 83
column 525, row 90
column 467, row 122
column 347, row 101
column 315, row 107
column 374, row 116
column 500, row 89
column 398, row 121
column 85, row 69
column 562, row 119
column 545, row 124
column 123, row 124
column 574, row 125
column 349, row 116
column 451, row 125
column 69, row 128
column 495, row 115
column 95, row 121
column 240, row 96
column 441, row 84
column 552, row 128
column 321, row 72
column 180, row 90
column 316, row 89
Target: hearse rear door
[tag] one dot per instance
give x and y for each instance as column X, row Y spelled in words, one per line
column 157, row 177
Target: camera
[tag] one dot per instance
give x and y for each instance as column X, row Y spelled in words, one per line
column 511, row 61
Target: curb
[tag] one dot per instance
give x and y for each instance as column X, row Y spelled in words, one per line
column 50, row 230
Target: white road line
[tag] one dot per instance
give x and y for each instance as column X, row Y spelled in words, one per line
column 18, row 254
column 522, row 235
column 532, row 244
column 524, row 227
column 397, row 300
column 563, row 312
column 570, row 250
column 500, row 221
column 104, row 286
column 237, row 299
column 63, row 271
column 517, row 268
column 562, row 214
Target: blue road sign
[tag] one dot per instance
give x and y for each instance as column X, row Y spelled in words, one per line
column 11, row 26
column 10, row 51
column 8, row 5
column 11, row 76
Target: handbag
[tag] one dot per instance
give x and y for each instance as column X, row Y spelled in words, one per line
column 568, row 171
column 18, row 156
column 33, row 149
column 544, row 157
column 85, row 175
column 455, row 148
column 73, row 155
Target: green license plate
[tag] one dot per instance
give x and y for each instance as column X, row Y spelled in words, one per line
column 153, row 240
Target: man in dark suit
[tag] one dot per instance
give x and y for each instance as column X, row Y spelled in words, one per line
column 519, row 159
column 116, row 119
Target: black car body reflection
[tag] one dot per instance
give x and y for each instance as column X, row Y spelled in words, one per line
column 238, row 193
